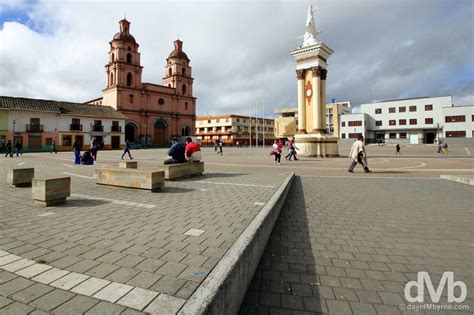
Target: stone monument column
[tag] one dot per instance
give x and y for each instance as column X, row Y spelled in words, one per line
column 301, row 102
column 316, row 99
column 324, row 73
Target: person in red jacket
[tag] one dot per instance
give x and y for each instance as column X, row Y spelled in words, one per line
column 193, row 150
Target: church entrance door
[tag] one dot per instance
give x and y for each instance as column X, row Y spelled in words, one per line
column 160, row 133
column 130, row 132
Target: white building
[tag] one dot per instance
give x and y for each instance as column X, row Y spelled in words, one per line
column 412, row 120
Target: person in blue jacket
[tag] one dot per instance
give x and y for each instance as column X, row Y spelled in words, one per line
column 176, row 152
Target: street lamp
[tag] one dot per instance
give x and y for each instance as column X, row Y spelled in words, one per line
column 13, row 138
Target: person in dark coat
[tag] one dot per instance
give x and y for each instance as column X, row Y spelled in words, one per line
column 18, row 148
column 176, row 152
column 9, row 149
column 127, row 150
column 77, row 152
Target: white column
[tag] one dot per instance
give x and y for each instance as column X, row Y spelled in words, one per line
column 316, row 100
column 301, row 102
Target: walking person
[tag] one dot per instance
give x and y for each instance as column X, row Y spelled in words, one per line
column 445, row 148
column 53, row 148
column 276, row 151
column 397, row 147
column 94, row 148
column 9, row 149
column 18, row 148
column 77, row 152
column 291, row 150
column 216, row 144
column 221, row 144
column 127, row 150
column 358, row 155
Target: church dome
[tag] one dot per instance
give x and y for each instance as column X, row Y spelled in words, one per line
column 126, row 37
column 178, row 51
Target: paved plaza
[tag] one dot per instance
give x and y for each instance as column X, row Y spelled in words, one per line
column 344, row 243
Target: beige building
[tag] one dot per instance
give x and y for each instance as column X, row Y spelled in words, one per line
column 287, row 122
column 232, row 128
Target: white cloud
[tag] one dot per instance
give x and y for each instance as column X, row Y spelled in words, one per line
column 239, row 50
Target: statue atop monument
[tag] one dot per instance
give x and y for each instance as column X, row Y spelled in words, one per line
column 309, row 37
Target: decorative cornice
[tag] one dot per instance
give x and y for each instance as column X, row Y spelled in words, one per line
column 300, row 74
column 317, row 71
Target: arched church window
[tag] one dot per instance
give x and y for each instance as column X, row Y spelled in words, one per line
column 169, row 84
column 130, row 98
column 185, row 131
column 170, row 72
column 129, row 58
column 183, row 89
column 111, row 79
column 186, row 105
column 183, row 71
column 161, row 101
column 129, row 79
column 113, row 57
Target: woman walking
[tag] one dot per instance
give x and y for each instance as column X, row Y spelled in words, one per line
column 77, row 152
column 276, row 151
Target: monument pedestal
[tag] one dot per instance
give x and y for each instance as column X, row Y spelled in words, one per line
column 316, row 145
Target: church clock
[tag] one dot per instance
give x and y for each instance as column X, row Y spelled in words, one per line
column 308, row 91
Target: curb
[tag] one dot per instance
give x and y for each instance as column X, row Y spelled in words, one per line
column 224, row 289
column 459, row 179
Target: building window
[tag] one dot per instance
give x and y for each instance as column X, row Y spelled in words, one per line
column 161, row 101
column 450, row 119
column 343, row 136
column 208, row 121
column 49, row 141
column 218, row 120
column 185, row 131
column 402, row 109
column 111, row 79
column 392, row 122
column 129, row 58
column 402, row 122
column 170, row 71
column 378, row 123
column 183, row 89
column 183, row 72
column 428, row 121
column 355, row 123
column 392, row 135
column 429, row 107
column 238, row 119
column 456, row 134
column 343, row 124
column 227, row 120
column 354, row 135
column 186, row 106
column 472, row 118
column 378, row 111
column 412, row 108
column 412, row 121
column 66, row 140
column 391, row 110
column 129, row 79
column 130, row 98
column 403, row 135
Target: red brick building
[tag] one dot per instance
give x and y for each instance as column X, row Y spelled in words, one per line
column 154, row 112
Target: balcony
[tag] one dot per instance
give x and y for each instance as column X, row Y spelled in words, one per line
column 75, row 127
column 34, row 128
column 116, row 128
column 97, row 128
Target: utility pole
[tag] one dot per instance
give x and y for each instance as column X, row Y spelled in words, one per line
column 250, row 126
column 264, row 123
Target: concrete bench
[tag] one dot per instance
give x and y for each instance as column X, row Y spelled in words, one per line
column 128, row 164
column 180, row 170
column 20, row 177
column 130, row 178
column 51, row 191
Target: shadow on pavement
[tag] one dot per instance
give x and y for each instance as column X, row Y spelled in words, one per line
column 178, row 190
column 286, row 279
column 79, row 202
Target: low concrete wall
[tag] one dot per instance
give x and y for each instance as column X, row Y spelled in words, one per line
column 130, row 178
column 224, row 289
column 20, row 177
column 180, row 170
column 128, row 164
column 51, row 191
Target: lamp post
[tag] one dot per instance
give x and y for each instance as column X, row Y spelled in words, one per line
column 13, row 137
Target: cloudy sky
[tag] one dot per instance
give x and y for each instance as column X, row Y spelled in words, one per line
column 239, row 50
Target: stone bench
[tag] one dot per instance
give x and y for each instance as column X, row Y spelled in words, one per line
column 180, row 170
column 130, row 178
column 51, row 191
column 20, row 177
column 128, row 164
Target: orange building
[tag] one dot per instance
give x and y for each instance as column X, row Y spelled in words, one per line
column 155, row 113
column 232, row 128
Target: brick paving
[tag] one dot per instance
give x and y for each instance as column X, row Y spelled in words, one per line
column 326, row 253
column 348, row 246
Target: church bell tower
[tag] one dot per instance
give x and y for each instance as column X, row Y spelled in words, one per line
column 178, row 71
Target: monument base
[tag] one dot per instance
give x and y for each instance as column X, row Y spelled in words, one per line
column 316, row 145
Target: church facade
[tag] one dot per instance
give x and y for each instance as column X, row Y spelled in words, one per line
column 155, row 112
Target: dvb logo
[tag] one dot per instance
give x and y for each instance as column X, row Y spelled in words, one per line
column 424, row 278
